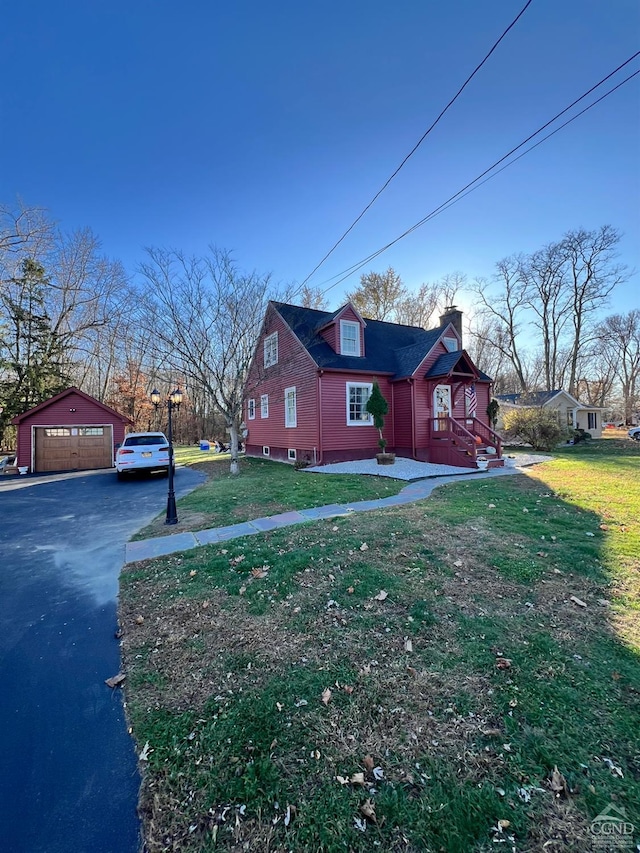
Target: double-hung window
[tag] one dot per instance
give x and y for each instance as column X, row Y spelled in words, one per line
column 290, row 413
column 349, row 338
column 592, row 420
column 358, row 394
column 271, row 350
column 251, row 409
column 264, row 405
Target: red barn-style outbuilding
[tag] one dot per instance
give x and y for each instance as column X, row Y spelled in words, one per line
column 71, row 431
column 313, row 372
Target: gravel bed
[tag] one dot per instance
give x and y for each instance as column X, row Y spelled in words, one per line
column 410, row 469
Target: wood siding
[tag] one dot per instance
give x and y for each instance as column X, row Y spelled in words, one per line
column 295, row 369
column 72, row 410
column 402, row 415
column 337, row 435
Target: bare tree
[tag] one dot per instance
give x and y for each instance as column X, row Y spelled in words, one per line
column 205, row 315
column 620, row 339
column 417, row 309
column 592, row 276
column 311, row 297
column 502, row 316
column 378, row 294
column 25, row 232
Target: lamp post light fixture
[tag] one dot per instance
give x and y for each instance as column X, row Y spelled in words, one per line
column 173, row 402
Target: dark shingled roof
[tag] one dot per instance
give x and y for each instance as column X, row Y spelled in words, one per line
column 389, row 347
column 533, row 398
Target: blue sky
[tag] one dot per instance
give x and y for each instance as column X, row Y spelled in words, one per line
column 265, row 127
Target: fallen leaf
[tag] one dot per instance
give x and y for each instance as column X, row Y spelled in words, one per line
column 366, row 669
column 492, row 506
column 348, row 689
column 604, row 526
column 368, row 762
column 541, row 554
column 378, row 773
column 289, row 814
column 412, row 672
column 382, row 595
column 368, row 809
column 144, row 755
column 301, row 703
column 578, row 601
column 357, row 778
column 260, row 573
column 458, row 563
column 503, row 824
column 236, row 560
column 279, row 706
column 360, row 824
column 615, row 675
column 589, row 534
column 115, row 680
column 524, row 509
column 139, row 620
column 408, row 644
column 193, row 573
column 342, row 780
column 558, row 783
column 334, row 529
column 350, row 590
column 326, row 696
column 364, row 547
column 503, row 663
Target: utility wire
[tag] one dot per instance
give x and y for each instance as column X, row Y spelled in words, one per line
column 418, row 144
column 477, row 181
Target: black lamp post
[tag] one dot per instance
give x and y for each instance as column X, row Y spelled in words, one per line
column 173, row 402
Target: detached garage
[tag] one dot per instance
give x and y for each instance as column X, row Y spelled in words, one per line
column 70, row 432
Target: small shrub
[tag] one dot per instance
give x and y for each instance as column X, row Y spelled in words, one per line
column 536, row 426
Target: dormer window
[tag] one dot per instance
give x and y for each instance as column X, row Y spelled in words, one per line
column 451, row 344
column 349, row 338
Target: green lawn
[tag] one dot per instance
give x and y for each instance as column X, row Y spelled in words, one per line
column 462, row 667
column 263, row 488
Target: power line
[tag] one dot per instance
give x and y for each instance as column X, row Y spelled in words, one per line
column 477, row 181
column 417, row 145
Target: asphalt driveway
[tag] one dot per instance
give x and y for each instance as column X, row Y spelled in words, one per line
column 69, row 777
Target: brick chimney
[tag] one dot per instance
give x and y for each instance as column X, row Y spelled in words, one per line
column 453, row 316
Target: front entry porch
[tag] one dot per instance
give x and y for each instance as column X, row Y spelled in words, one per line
column 468, row 444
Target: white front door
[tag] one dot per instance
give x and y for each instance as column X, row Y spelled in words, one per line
column 441, row 405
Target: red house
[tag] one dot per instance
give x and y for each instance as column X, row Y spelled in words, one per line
column 71, row 431
column 313, row 371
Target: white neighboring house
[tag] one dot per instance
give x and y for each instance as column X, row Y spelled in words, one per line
column 571, row 412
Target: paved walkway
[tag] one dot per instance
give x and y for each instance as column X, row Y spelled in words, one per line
column 147, row 549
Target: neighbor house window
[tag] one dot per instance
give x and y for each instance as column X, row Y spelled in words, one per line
column 264, row 406
column 266, row 450
column 592, row 420
column 349, row 338
column 291, row 455
column 451, row 344
column 357, row 395
column 271, row 350
column 251, row 409
column 290, row 414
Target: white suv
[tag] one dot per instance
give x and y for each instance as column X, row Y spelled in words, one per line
column 634, row 432
column 142, row 451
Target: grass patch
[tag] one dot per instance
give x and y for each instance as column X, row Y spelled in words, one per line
column 452, row 698
column 263, row 488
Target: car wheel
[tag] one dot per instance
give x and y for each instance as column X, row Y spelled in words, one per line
column 636, row 436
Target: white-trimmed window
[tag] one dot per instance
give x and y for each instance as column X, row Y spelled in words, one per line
column 451, row 344
column 251, row 409
column 592, row 420
column 358, row 394
column 264, row 405
column 349, row 338
column 291, row 454
column 271, row 350
column 290, row 412
column 266, row 451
